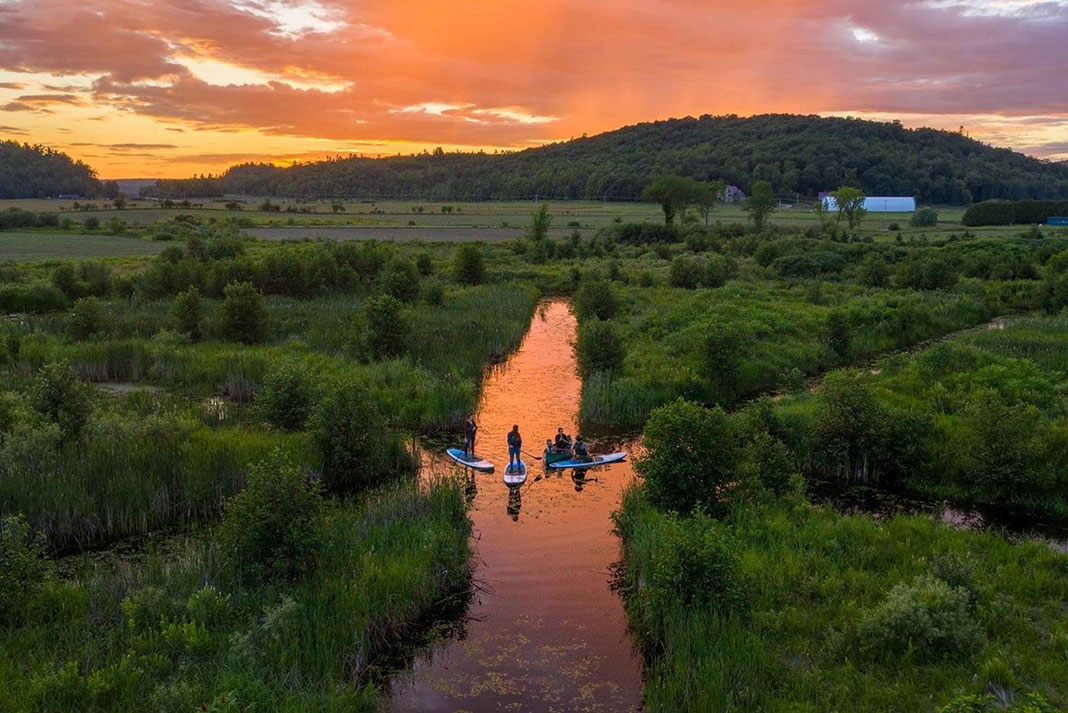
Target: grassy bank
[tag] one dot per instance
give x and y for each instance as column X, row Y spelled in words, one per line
column 176, row 631
column 808, row 610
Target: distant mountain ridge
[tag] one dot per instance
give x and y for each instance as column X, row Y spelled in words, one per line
column 799, row 155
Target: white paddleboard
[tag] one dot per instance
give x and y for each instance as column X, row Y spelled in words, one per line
column 472, row 461
column 515, row 475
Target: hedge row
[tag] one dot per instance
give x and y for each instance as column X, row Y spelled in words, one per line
column 1025, row 212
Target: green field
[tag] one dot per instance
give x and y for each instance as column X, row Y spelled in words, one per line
column 26, row 246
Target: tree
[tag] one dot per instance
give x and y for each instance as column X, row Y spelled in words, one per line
column 187, row 314
column 539, row 224
column 59, row 396
column 469, row 266
column 400, row 279
column 674, row 194
column 287, row 396
column 690, row 460
column 760, row 204
column 119, row 202
column 850, row 204
column 244, row 313
column 86, row 319
column 596, row 298
column 706, row 195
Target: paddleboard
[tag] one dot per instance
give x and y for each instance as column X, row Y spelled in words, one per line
column 595, row 461
column 472, row 461
column 515, row 475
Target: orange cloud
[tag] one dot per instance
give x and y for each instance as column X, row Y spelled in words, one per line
column 245, row 78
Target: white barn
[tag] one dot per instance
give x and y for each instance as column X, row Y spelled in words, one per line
column 879, row 204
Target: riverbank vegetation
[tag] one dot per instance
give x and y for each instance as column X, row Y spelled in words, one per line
column 745, row 596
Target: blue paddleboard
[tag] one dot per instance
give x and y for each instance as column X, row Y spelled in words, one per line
column 592, row 462
column 471, row 461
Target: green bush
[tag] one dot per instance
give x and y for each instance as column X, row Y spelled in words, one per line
column 243, row 314
column 350, row 433
column 924, row 218
column 287, row 396
column 595, row 299
column 469, row 266
column 724, row 355
column 687, row 272
column 873, row 271
column 187, row 315
column 425, row 264
column 690, row 458
column 23, row 567
column 400, row 280
column 769, row 464
column 86, row 320
column 272, row 528
column 599, row 348
column 434, row 292
column 385, row 328
column 32, row 297
column 925, row 621
column 59, row 396
column 696, row 564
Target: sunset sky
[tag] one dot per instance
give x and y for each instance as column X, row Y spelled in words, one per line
column 148, row 88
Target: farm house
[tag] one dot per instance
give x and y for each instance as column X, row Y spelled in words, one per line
column 880, row 204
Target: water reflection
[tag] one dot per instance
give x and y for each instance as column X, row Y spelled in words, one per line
column 545, row 631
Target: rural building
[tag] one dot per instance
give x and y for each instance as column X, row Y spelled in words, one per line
column 878, row 204
column 732, row 194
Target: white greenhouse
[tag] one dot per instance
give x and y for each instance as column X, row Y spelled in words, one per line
column 880, row 204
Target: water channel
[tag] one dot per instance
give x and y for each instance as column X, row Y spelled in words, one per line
column 544, row 631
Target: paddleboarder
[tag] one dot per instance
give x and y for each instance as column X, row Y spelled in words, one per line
column 515, row 445
column 581, row 452
column 470, row 430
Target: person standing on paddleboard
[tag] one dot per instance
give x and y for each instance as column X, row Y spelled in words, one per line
column 470, row 430
column 515, row 445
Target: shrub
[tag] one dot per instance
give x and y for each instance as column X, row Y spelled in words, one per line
column 434, row 292
column 924, row 621
column 400, row 280
column 243, row 314
column 873, row 271
column 23, row 567
column 596, row 299
column 59, row 396
column 33, row 297
column 1001, row 452
column 990, row 213
column 599, row 348
column 686, row 271
column 695, row 564
column 187, row 314
column 385, row 329
column 690, row 457
column 767, row 462
column 425, row 264
column 724, row 353
column 271, row 529
column 92, row 223
column 86, row 320
column 837, row 336
column 287, row 397
column 924, row 218
column 357, row 451
column 469, row 267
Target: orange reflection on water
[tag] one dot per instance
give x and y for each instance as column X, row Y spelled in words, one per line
column 546, row 631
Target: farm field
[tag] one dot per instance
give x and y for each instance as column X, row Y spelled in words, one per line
column 30, row 246
column 398, row 234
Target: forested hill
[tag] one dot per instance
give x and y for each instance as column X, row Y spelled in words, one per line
column 38, row 172
column 797, row 154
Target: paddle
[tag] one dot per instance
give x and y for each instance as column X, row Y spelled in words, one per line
column 531, row 455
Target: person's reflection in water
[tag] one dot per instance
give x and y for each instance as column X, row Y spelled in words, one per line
column 515, row 501
column 578, row 477
column 470, row 486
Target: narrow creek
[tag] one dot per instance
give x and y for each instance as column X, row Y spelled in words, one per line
column 544, row 631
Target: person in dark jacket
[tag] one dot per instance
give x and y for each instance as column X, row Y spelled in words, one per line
column 515, row 445
column 470, row 431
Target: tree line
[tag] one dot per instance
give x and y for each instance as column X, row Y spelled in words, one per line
column 796, row 155
column 31, row 171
